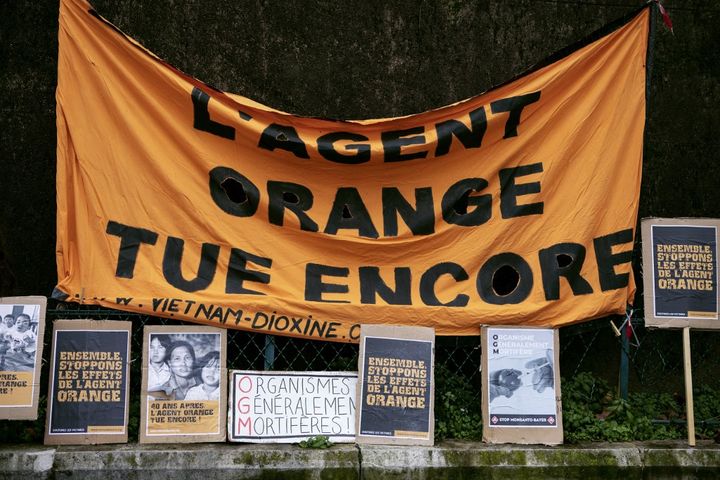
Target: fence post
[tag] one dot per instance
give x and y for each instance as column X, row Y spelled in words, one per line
column 269, row 352
column 625, row 360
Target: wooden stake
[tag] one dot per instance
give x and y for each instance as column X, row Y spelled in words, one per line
column 688, row 387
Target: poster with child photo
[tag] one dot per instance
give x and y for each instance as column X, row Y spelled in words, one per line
column 22, row 327
column 184, row 384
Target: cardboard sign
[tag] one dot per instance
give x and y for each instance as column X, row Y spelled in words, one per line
column 22, row 329
column 184, row 384
column 405, row 218
column 680, row 267
column 396, row 365
column 521, row 386
column 89, row 379
column 288, row 407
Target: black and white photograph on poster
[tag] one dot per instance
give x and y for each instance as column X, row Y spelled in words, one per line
column 18, row 337
column 521, row 377
column 184, row 366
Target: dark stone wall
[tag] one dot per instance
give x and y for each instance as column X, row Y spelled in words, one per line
column 351, row 59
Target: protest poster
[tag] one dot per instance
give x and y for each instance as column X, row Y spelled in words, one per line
column 521, row 386
column 289, row 407
column 396, row 365
column 184, row 384
column 22, row 328
column 680, row 267
column 89, row 380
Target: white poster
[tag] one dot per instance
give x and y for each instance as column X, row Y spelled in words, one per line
column 521, row 377
column 288, row 407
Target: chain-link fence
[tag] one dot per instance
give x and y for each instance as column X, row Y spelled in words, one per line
column 654, row 357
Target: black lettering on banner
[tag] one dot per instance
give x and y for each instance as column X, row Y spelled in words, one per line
column 515, row 106
column 326, row 148
column 487, row 273
column 509, row 191
column 354, row 332
column 393, row 142
column 130, row 240
column 283, row 137
column 348, row 197
column 315, row 287
column 201, row 116
column 606, row 260
column 238, row 272
column 278, row 202
column 221, row 181
column 420, row 220
column 460, row 193
column 172, row 265
column 470, row 137
column 371, row 284
column 430, row 277
column 331, row 329
column 552, row 271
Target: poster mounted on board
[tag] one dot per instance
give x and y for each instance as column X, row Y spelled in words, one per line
column 397, row 394
column 521, row 386
column 184, row 384
column 680, row 269
column 289, row 407
column 22, row 330
column 89, row 382
column 303, row 227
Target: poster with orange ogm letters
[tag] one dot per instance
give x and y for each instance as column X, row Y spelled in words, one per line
column 184, row 384
column 290, row 407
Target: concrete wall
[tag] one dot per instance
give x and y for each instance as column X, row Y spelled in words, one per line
column 449, row 461
column 353, row 59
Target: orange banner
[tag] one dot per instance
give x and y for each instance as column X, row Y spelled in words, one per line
column 515, row 207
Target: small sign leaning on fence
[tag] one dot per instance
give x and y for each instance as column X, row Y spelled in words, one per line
column 521, row 386
column 680, row 267
column 288, row 407
column 22, row 328
column 396, row 398
column 89, row 379
column 184, row 384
